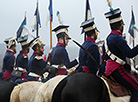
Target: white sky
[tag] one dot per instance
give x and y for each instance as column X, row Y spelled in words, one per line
column 72, row 13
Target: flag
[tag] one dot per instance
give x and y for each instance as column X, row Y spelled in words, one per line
column 50, row 12
column 27, row 31
column 36, row 20
column 59, row 18
column 50, row 8
column 88, row 14
column 131, row 30
column 19, row 31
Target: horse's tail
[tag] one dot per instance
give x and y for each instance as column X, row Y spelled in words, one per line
column 57, row 92
column 15, row 94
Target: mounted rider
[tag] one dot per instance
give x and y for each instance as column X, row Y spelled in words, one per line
column 22, row 57
column 116, row 53
column 9, row 58
column 36, row 63
column 86, row 63
column 59, row 56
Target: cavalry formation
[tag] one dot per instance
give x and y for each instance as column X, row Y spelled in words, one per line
column 84, row 79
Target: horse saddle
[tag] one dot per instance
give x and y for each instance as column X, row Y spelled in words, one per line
column 116, row 88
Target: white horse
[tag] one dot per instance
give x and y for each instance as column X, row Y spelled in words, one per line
column 114, row 98
column 25, row 92
column 45, row 91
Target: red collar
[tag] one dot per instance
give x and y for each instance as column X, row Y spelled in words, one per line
column 24, row 52
column 11, row 51
column 90, row 39
column 60, row 44
column 37, row 53
column 116, row 32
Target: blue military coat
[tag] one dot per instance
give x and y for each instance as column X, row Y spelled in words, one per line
column 119, row 47
column 59, row 56
column 37, row 64
column 8, row 60
column 22, row 60
column 85, row 60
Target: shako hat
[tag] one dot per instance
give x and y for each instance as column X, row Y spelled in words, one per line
column 61, row 31
column 114, row 16
column 23, row 40
column 10, row 42
column 89, row 26
column 36, row 43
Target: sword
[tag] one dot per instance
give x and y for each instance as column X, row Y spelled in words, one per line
column 87, row 53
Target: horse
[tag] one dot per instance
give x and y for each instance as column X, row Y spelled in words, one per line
column 25, row 92
column 81, row 87
column 85, row 87
column 45, row 91
column 6, row 88
column 34, row 91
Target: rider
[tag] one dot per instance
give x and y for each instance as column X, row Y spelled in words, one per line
column 117, row 51
column 22, row 57
column 59, row 56
column 36, row 63
column 9, row 58
column 86, row 63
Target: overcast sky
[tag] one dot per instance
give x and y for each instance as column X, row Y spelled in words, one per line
column 72, row 13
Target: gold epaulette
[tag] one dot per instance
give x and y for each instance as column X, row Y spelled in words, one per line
column 24, row 56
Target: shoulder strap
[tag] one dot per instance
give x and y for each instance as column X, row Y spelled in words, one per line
column 49, row 57
column 112, row 56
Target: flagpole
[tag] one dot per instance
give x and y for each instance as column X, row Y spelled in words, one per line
column 133, row 39
column 50, row 34
column 25, row 14
column 37, row 21
column 86, row 14
column 51, row 19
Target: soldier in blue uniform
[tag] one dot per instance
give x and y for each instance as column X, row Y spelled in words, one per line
column 36, row 63
column 86, row 63
column 22, row 57
column 117, row 51
column 59, row 57
column 9, row 58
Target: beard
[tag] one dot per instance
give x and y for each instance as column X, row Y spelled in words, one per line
column 14, row 51
column 122, row 29
column 95, row 37
column 41, row 52
column 27, row 50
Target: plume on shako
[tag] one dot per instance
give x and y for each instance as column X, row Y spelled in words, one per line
column 109, row 3
column 114, row 15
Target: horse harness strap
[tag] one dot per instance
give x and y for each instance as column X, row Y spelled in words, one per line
column 34, row 75
column 59, row 66
column 112, row 56
column 21, row 69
